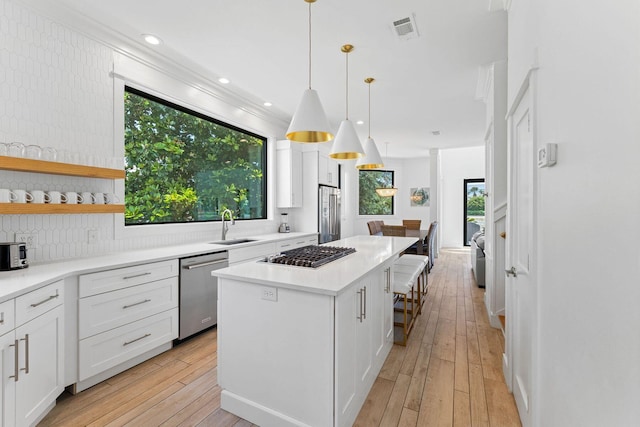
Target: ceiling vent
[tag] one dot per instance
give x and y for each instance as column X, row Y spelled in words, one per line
column 406, row 28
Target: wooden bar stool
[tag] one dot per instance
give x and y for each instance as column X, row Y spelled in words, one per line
column 421, row 261
column 404, row 286
column 415, row 271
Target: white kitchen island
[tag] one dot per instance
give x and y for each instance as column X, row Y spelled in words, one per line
column 302, row 346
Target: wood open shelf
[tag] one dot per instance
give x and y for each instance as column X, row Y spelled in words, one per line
column 57, row 168
column 48, row 208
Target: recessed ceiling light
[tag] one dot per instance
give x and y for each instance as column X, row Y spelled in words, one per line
column 435, row 132
column 267, row 104
column 360, row 122
column 151, row 39
column 223, row 80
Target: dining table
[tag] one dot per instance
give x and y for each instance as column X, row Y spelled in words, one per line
column 422, row 234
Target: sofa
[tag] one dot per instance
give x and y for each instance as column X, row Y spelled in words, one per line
column 477, row 257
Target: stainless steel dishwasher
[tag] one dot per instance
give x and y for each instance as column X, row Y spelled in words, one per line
column 199, row 292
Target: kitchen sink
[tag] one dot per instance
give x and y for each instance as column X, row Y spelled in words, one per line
column 231, row 242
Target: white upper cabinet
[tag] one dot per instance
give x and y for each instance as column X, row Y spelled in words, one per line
column 327, row 170
column 288, row 175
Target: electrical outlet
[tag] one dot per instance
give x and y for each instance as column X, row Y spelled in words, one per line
column 31, row 239
column 92, row 236
column 270, row 294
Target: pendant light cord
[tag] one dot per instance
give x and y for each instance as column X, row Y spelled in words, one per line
column 369, row 110
column 347, row 86
column 309, row 45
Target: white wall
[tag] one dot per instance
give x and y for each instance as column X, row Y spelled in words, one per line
column 408, row 173
column 57, row 88
column 588, row 101
column 457, row 164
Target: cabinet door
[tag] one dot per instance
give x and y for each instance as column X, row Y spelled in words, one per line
column 289, row 178
column 364, row 331
column 40, row 360
column 8, row 389
column 347, row 313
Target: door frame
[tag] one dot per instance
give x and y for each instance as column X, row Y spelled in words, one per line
column 465, row 238
column 527, row 92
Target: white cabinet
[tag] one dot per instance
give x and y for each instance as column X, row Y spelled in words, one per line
column 327, row 170
column 288, row 176
column 364, row 336
column 298, row 242
column 125, row 316
column 249, row 253
column 32, row 355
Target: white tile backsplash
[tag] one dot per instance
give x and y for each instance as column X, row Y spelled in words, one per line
column 56, row 90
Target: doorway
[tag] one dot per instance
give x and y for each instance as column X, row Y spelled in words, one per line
column 473, row 216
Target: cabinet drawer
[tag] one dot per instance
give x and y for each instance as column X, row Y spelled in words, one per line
column 110, row 280
column 108, row 349
column 7, row 316
column 31, row 305
column 286, row 245
column 99, row 313
column 251, row 252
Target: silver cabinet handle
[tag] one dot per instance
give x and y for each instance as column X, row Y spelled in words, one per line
column 137, row 339
column 46, row 300
column 387, row 285
column 26, row 353
column 360, row 317
column 511, row 272
column 16, row 368
column 2, row 318
column 364, row 314
column 204, row 264
column 135, row 303
column 136, row 275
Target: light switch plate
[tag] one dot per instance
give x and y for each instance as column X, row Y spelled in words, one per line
column 547, row 155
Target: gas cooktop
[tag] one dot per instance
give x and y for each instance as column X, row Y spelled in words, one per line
column 310, row 256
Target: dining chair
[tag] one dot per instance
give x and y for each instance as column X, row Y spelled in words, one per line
column 394, row 230
column 374, row 228
column 412, row 224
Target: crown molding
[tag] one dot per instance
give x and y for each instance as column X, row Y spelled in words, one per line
column 176, row 66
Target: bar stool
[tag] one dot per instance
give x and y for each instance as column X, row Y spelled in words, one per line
column 415, row 271
column 421, row 261
column 404, row 291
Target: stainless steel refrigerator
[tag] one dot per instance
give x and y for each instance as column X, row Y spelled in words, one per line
column 329, row 215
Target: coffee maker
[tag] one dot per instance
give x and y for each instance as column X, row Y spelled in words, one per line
column 284, row 223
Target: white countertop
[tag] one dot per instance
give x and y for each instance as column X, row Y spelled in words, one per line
column 17, row 282
column 329, row 279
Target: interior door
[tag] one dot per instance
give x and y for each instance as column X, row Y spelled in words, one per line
column 521, row 306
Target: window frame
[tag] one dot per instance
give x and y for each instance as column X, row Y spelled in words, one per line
column 265, row 197
column 393, row 198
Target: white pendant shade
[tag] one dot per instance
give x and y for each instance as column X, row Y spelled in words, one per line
column 347, row 145
column 371, row 158
column 309, row 123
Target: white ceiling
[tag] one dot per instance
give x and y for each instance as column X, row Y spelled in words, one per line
column 422, row 84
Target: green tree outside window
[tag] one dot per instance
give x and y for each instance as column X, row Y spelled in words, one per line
column 182, row 166
column 370, row 203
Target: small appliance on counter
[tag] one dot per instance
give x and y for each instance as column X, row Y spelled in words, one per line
column 284, row 223
column 13, row 256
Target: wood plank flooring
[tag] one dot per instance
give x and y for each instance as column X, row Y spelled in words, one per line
column 449, row 374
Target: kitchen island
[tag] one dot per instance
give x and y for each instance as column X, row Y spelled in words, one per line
column 302, row 346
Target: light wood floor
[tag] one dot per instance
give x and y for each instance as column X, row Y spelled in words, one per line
column 449, row 374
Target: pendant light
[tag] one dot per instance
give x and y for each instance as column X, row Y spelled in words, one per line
column 309, row 123
column 386, row 191
column 371, row 158
column 347, row 145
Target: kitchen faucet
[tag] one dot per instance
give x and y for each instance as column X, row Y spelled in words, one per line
column 225, row 227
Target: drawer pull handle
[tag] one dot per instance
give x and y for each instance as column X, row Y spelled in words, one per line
column 45, row 300
column 137, row 339
column 26, row 353
column 135, row 303
column 16, row 368
column 2, row 318
column 204, row 264
column 136, row 275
